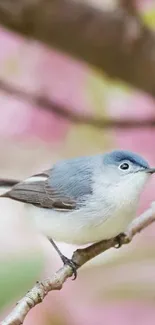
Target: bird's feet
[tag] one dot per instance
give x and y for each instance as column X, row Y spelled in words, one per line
column 65, row 259
column 119, row 240
column 72, row 264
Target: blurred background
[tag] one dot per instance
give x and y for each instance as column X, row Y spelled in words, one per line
column 119, row 285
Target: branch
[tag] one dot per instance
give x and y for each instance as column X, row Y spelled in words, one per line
column 129, row 6
column 68, row 114
column 116, row 42
column 80, row 257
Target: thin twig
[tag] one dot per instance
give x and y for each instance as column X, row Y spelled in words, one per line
column 80, row 257
column 69, row 114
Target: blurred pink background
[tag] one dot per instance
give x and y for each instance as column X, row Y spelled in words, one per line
column 118, row 286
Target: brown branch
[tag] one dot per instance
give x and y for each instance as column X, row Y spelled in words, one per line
column 80, row 257
column 116, row 42
column 68, row 114
column 129, row 6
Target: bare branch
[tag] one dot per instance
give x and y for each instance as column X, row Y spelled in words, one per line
column 116, row 42
column 80, row 257
column 68, row 114
column 129, row 6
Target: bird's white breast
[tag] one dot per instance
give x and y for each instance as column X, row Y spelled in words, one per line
column 105, row 214
column 89, row 224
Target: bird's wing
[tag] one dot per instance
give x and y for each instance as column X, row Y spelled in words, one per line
column 36, row 190
column 57, row 188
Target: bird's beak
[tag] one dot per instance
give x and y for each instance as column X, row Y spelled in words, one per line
column 150, row 170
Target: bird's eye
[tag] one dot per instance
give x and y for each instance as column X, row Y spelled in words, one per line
column 124, row 166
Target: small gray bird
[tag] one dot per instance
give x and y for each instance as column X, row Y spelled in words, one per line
column 84, row 200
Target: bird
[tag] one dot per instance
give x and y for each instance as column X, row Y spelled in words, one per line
column 84, row 199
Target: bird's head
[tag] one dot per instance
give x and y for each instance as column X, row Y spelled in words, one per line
column 125, row 173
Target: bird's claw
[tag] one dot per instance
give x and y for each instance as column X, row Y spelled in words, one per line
column 72, row 264
column 119, row 240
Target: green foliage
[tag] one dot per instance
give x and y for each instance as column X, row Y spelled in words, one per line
column 149, row 18
column 17, row 276
column 101, row 87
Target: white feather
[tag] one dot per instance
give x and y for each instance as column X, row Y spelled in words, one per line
column 106, row 214
column 33, row 179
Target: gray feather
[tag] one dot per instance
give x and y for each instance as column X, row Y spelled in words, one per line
column 73, row 177
column 68, row 184
column 117, row 156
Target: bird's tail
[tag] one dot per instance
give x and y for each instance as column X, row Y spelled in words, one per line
column 7, row 184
